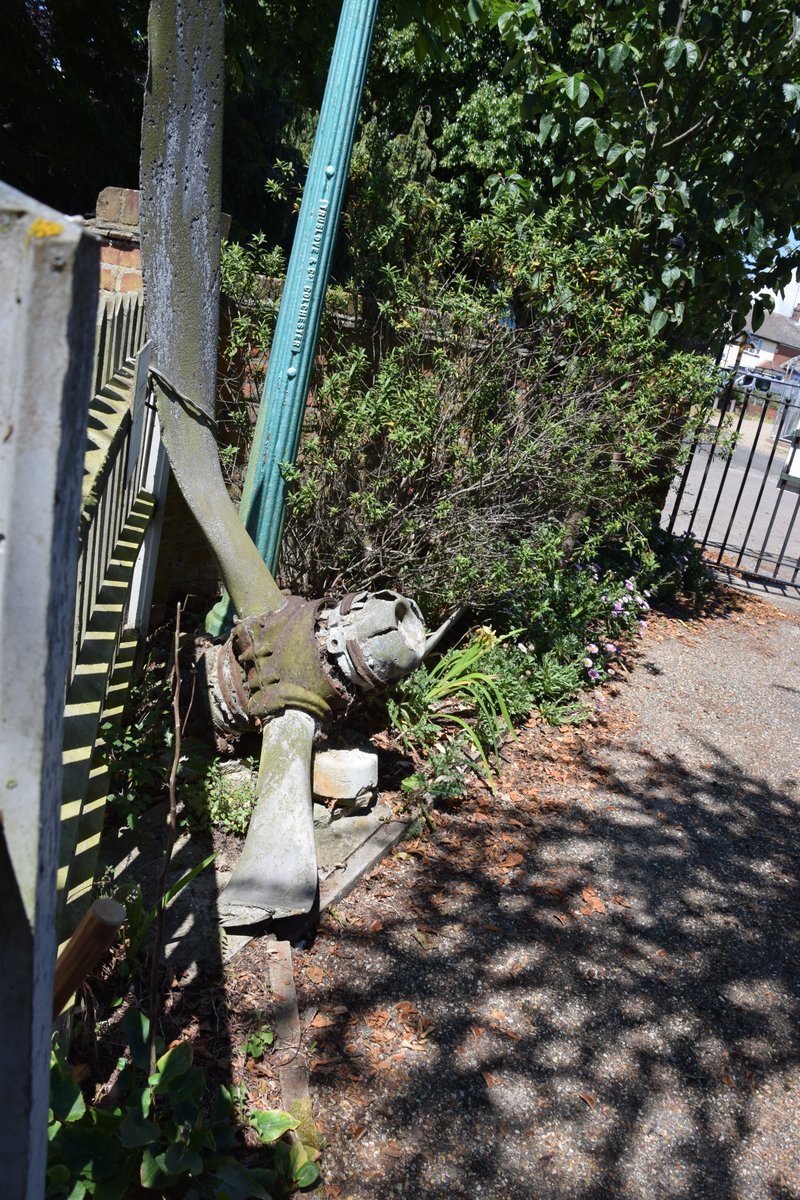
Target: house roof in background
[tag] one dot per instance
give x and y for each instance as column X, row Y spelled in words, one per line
column 776, row 328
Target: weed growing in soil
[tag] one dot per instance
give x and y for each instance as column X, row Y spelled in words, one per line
column 259, row 1042
column 222, row 799
column 138, row 748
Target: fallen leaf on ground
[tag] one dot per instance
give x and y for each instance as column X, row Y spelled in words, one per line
column 510, row 1033
column 593, row 901
column 587, row 1099
column 315, row 974
column 488, row 1079
column 323, row 1020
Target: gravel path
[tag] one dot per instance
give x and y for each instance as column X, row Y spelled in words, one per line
column 587, row 987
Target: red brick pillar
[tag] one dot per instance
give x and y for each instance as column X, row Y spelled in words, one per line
column 117, row 223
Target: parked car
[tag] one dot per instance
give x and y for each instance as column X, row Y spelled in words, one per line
column 760, row 383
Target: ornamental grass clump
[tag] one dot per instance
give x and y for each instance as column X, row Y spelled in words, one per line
column 455, row 698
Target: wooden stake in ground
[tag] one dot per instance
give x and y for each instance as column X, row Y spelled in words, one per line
column 86, row 947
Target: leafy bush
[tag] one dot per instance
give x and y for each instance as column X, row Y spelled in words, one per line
column 251, row 294
column 459, row 435
column 160, row 1138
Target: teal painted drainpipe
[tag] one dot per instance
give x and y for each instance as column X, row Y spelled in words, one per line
column 280, row 417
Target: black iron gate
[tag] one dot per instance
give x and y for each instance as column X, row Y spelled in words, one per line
column 736, row 496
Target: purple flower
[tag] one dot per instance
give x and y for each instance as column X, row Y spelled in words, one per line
column 642, row 627
column 587, row 662
column 592, row 649
column 599, row 697
column 629, row 584
column 618, row 607
column 611, row 671
column 610, row 648
column 594, row 675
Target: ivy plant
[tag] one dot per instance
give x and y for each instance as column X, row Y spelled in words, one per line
column 159, row 1138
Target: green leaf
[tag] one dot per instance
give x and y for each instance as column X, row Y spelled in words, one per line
column 546, row 122
column 306, row 1175
column 584, row 123
column 153, row 1173
column 614, row 153
column 791, row 93
column 183, row 1160
column 239, row 1183
column 91, row 1150
column 658, row 321
column 758, row 313
column 116, row 1188
column 506, row 21
column 692, row 53
column 673, row 49
column 617, row 56
column 171, row 1066
column 66, row 1098
column 137, row 1030
column 601, row 142
column 272, row 1124
column 649, row 302
column 576, row 90
column 186, row 879
column 185, row 1095
column 136, row 1130
column 670, row 275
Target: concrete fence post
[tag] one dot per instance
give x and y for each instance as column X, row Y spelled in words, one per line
column 48, row 300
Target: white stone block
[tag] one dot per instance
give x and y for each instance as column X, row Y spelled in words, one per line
column 345, row 774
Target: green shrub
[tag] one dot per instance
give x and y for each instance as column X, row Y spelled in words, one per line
column 452, row 445
column 160, row 1137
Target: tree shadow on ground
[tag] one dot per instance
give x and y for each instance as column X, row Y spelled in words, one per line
column 613, row 1016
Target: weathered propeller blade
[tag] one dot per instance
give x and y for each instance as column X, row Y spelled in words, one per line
column 276, row 875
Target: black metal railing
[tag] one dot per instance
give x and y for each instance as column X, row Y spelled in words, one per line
column 730, row 496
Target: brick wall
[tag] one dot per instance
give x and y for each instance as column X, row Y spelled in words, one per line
column 117, row 223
